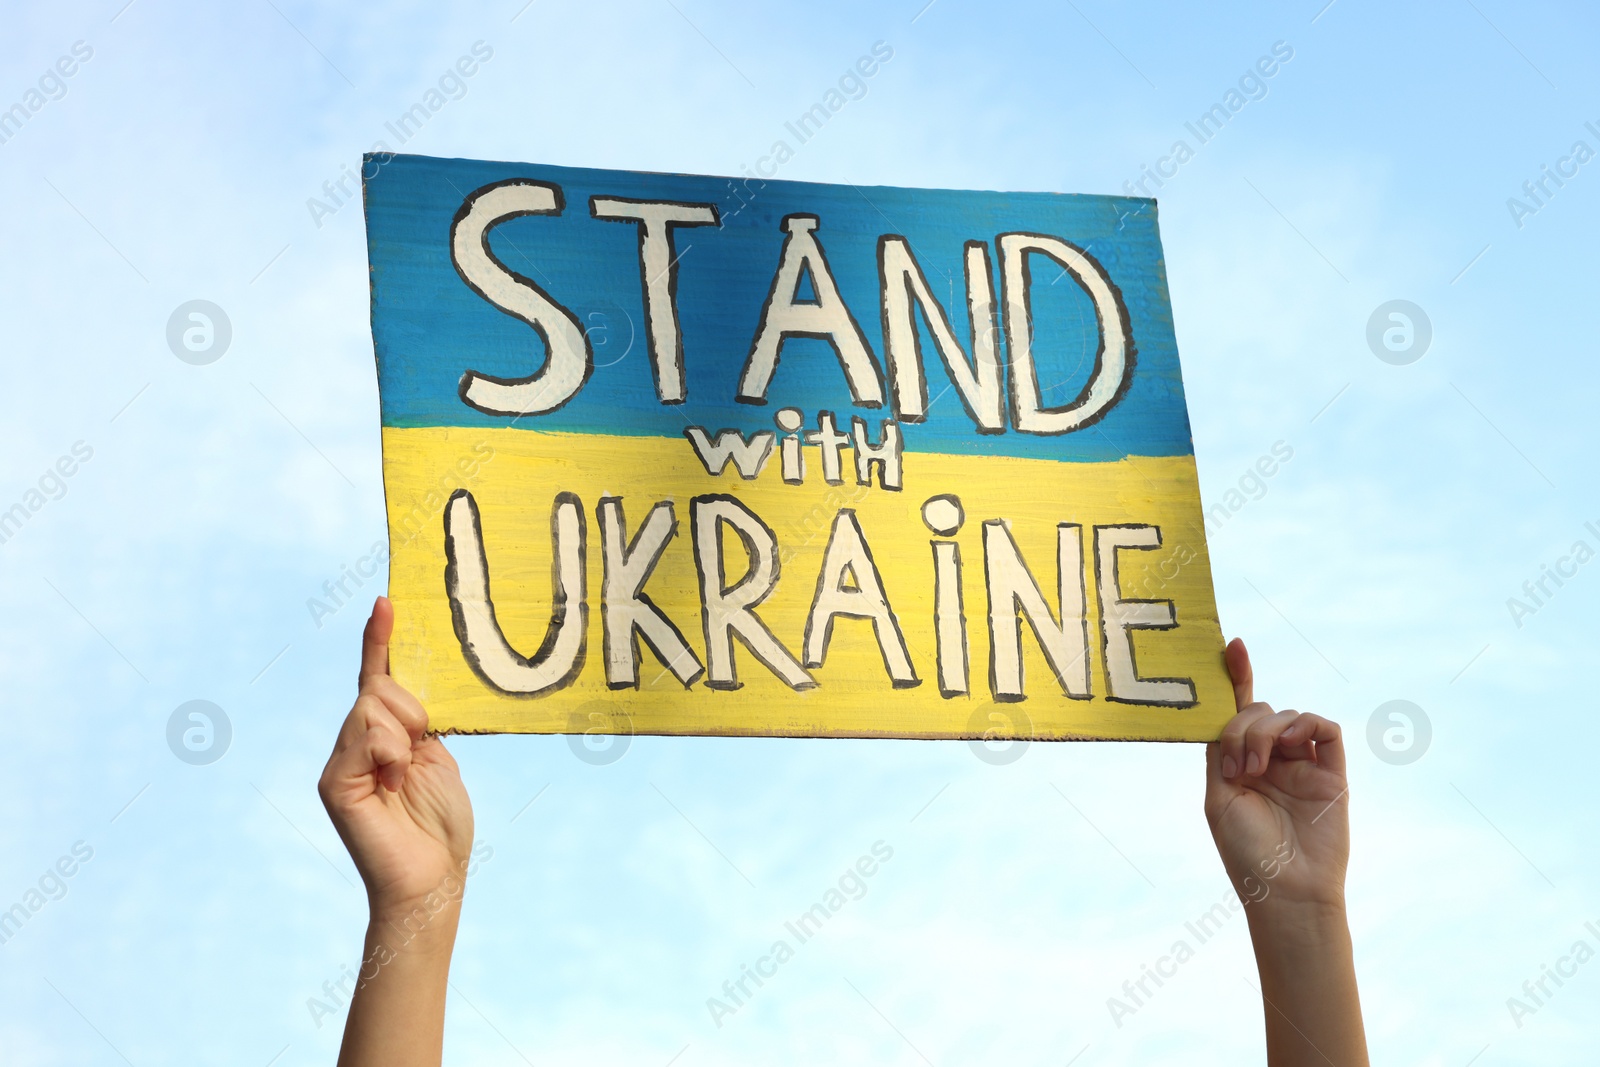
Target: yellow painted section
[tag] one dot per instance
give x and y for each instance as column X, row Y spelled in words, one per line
column 514, row 475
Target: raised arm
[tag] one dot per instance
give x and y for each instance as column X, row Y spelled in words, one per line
column 397, row 801
column 1278, row 804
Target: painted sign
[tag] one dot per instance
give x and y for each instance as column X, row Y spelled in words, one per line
column 690, row 455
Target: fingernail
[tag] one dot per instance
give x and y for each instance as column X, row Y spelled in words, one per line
column 1253, row 764
column 1229, row 766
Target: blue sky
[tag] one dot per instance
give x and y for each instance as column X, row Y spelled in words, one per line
column 176, row 163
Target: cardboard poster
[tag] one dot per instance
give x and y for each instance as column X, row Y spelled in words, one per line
column 694, row 455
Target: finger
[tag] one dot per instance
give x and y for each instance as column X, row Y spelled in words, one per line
column 381, row 755
column 1237, row 657
column 398, row 746
column 1232, row 740
column 355, row 723
column 369, row 711
column 1213, row 779
column 1290, row 753
column 375, row 640
column 1324, row 734
column 392, row 762
column 1217, row 791
column 1260, row 738
column 400, row 702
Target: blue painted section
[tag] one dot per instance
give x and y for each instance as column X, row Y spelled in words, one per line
column 429, row 326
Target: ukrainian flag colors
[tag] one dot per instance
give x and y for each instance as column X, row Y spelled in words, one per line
column 683, row 455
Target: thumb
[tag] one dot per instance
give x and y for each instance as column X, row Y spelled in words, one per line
column 375, row 640
column 1237, row 658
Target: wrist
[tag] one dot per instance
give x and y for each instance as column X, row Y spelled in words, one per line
column 421, row 928
column 1296, row 933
